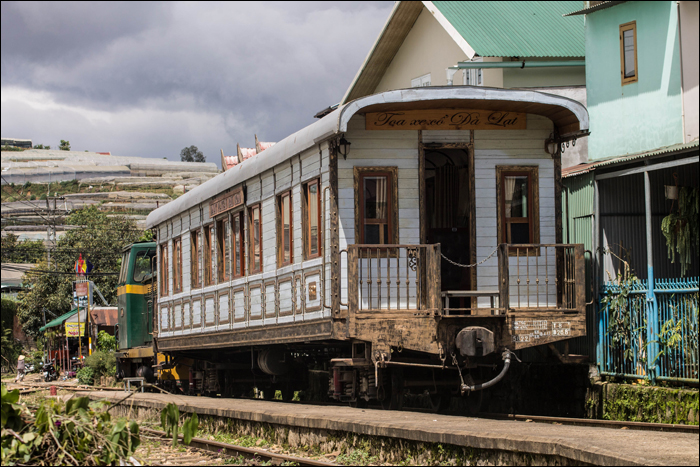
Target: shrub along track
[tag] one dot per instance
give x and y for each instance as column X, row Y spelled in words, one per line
column 203, row 449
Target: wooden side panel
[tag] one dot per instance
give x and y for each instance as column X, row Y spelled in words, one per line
column 269, row 235
column 509, row 148
column 224, row 312
column 196, row 315
column 209, row 312
column 239, row 307
column 186, row 317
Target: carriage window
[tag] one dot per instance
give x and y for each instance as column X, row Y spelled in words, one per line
column 142, row 266
column 223, row 252
column 517, row 205
column 196, row 258
column 177, row 265
column 312, row 218
column 628, row 52
column 208, row 254
column 376, row 190
column 255, row 239
column 284, row 229
column 237, row 245
column 164, row 270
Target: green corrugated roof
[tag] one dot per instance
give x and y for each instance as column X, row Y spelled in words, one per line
column 518, row 29
column 58, row 321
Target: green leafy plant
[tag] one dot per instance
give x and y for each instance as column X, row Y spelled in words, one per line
column 105, row 342
column 681, row 229
column 170, row 421
column 86, row 376
column 625, row 310
column 77, row 433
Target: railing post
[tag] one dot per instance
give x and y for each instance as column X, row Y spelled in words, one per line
column 433, row 279
column 503, row 277
column 353, row 291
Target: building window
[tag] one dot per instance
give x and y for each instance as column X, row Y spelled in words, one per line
column 208, row 255
column 421, row 81
column 164, row 270
column 223, row 252
column 238, row 245
column 284, row 229
column 518, row 204
column 312, row 218
column 628, row 52
column 177, row 265
column 255, row 240
column 376, row 196
column 196, row 258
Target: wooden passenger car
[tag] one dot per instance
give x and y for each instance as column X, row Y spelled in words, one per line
column 336, row 245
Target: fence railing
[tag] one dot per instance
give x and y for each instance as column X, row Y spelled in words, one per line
column 394, row 278
column 657, row 337
column 542, row 276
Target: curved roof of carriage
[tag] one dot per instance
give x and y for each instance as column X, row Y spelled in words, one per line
column 569, row 116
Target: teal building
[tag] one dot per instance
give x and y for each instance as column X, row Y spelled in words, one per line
column 632, row 203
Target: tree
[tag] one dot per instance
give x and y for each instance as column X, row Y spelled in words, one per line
column 41, row 146
column 25, row 251
column 100, row 239
column 65, row 145
column 192, row 154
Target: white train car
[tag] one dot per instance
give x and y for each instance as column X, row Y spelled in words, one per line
column 397, row 241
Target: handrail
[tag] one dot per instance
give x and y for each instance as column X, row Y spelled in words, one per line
column 340, row 299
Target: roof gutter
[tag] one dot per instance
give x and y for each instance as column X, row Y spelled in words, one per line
column 520, row 64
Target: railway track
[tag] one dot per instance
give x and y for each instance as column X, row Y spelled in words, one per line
column 218, row 452
column 597, row 423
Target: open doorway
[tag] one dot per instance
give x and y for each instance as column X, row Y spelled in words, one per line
column 447, row 207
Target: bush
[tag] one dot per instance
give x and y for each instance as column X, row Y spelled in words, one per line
column 86, row 376
column 102, row 363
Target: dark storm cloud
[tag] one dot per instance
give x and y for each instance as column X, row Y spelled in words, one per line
column 243, row 67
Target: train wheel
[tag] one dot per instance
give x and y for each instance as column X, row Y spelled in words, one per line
column 393, row 391
column 439, row 402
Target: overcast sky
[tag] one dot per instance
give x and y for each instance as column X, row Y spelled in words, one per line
column 147, row 79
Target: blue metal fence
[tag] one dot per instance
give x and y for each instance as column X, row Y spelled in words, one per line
column 658, row 337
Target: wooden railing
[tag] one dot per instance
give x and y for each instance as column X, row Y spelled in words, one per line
column 406, row 278
column 394, row 278
column 542, row 276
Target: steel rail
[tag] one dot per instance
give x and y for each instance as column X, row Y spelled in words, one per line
column 596, row 423
column 233, row 450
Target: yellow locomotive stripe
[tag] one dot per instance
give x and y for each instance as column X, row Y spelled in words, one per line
column 135, row 289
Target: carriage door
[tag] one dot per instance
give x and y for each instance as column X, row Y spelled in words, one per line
column 447, row 212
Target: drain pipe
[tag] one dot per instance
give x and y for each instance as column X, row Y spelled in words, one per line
column 478, row 387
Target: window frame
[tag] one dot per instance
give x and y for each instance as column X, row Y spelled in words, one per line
column 208, row 266
column 632, row 25
column 195, row 258
column 238, row 255
column 532, row 172
column 164, row 279
column 280, row 229
column 251, row 243
column 306, row 227
column 177, row 265
column 360, row 173
column 223, row 267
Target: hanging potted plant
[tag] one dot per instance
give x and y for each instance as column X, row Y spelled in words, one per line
column 681, row 228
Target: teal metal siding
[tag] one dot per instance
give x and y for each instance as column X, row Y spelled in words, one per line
column 578, row 209
column 518, row 29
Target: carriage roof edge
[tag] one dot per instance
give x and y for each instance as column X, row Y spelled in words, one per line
column 336, row 122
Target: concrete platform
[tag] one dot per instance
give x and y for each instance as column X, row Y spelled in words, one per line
column 590, row 445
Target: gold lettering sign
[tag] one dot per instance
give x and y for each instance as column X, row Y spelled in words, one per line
column 226, row 202
column 312, row 291
column 446, row 119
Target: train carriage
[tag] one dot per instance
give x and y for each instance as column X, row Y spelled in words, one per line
column 398, row 242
